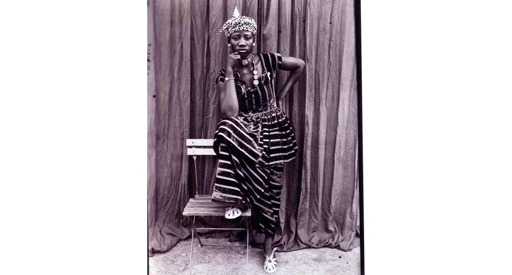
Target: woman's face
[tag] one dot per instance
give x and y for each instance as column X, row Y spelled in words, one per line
column 241, row 42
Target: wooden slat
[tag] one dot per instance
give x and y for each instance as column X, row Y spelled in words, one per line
column 212, row 205
column 205, row 207
column 206, row 212
column 211, row 212
column 203, row 200
column 202, row 197
column 222, row 228
column 200, row 152
column 205, row 203
column 212, row 209
column 199, row 142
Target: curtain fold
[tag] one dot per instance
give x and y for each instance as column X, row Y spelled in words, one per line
column 185, row 53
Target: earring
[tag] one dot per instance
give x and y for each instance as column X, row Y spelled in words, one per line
column 254, row 44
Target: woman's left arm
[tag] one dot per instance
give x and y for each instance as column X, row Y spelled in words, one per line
column 295, row 66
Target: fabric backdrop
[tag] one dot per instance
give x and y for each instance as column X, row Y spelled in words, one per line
column 320, row 194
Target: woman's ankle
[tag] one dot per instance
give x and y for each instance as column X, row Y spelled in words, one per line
column 267, row 245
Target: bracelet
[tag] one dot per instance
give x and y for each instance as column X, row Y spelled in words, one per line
column 229, row 78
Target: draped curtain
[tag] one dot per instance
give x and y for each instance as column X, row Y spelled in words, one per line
column 319, row 206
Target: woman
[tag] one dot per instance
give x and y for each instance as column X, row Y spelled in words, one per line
column 255, row 137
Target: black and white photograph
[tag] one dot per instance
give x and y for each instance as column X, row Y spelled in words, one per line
column 226, row 137
column 253, row 146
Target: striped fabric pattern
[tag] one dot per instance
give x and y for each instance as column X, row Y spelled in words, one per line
column 252, row 148
column 244, row 184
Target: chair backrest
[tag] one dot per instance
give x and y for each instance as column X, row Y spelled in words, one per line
column 200, row 147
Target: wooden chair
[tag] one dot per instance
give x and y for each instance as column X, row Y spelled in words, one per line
column 202, row 205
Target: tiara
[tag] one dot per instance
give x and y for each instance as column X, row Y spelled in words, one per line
column 238, row 23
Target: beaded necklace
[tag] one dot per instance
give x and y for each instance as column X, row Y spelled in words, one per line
column 253, row 69
column 245, row 62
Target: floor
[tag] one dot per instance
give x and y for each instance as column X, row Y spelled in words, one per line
column 222, row 260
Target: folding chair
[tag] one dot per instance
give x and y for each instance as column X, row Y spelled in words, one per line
column 202, row 205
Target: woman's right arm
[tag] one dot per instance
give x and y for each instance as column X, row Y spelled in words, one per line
column 227, row 90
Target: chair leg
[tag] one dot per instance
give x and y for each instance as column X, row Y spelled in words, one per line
column 192, row 243
column 199, row 239
column 247, row 237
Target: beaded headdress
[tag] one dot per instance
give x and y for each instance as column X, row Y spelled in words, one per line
column 239, row 23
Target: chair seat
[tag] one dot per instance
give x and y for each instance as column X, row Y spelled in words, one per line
column 202, row 205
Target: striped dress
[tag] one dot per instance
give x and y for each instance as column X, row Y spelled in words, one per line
column 252, row 148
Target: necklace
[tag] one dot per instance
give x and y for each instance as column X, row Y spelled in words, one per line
column 253, row 69
column 254, row 73
column 247, row 60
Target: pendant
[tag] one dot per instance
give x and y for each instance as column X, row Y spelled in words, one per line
column 255, row 74
column 249, row 59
